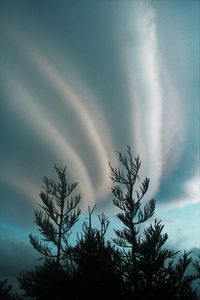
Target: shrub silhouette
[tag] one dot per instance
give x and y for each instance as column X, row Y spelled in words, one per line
column 160, row 276
column 47, row 282
column 96, row 262
column 134, row 264
column 5, row 292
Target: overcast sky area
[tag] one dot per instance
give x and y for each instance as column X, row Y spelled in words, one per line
column 83, row 79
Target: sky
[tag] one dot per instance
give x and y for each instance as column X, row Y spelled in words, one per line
column 80, row 80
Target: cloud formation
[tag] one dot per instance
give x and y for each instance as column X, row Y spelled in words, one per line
column 157, row 115
column 81, row 79
column 79, row 87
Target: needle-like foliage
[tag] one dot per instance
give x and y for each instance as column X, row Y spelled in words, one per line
column 59, row 214
column 128, row 198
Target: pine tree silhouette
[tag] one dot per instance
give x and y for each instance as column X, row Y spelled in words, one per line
column 96, row 271
column 134, row 265
column 148, row 269
column 58, row 218
column 50, row 280
column 160, row 276
column 5, row 291
column 129, row 201
column 46, row 282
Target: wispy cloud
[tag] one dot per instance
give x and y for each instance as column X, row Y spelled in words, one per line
column 24, row 99
column 88, row 115
column 155, row 108
column 189, row 196
column 99, row 138
column 157, row 118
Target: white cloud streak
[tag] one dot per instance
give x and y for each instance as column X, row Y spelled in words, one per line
column 157, row 116
column 157, row 132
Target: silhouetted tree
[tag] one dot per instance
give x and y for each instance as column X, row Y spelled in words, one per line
column 46, row 282
column 196, row 265
column 5, row 291
column 129, row 200
column 96, row 271
column 59, row 215
column 136, row 266
column 160, row 276
column 148, row 268
column 179, row 283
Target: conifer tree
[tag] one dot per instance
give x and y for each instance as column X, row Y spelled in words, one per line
column 153, row 256
column 46, row 282
column 5, row 291
column 59, row 214
column 129, row 200
column 160, row 276
column 96, row 271
column 196, row 265
column 149, row 269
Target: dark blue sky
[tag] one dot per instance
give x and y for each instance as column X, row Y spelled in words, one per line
column 82, row 79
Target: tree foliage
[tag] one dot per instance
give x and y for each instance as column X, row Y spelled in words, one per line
column 135, row 264
column 59, row 214
column 148, row 268
column 6, row 293
column 129, row 200
column 96, row 259
column 46, row 282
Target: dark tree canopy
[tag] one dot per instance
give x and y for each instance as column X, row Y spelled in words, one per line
column 134, row 264
column 46, row 282
column 5, row 291
column 148, row 268
column 96, row 262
